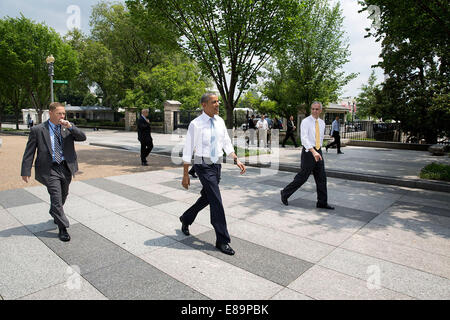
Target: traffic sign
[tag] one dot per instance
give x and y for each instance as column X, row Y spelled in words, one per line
column 61, row 81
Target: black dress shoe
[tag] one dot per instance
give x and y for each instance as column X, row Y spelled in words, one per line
column 340, row 152
column 63, row 235
column 193, row 175
column 225, row 248
column 144, row 163
column 283, row 199
column 324, row 206
column 184, row 227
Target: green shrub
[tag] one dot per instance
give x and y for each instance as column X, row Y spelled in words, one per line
column 436, row 171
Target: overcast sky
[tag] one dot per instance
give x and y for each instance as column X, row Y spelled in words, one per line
column 62, row 14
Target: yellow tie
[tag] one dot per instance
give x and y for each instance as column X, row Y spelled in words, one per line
column 317, row 135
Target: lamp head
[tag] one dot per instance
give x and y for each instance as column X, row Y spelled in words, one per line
column 50, row 59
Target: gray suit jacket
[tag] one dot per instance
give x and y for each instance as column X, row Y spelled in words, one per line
column 39, row 139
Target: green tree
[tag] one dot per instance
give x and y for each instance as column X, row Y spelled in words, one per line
column 121, row 46
column 230, row 39
column 177, row 78
column 415, row 38
column 24, row 46
column 310, row 68
column 251, row 100
column 366, row 99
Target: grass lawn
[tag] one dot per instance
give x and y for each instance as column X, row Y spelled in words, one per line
column 250, row 152
column 436, row 171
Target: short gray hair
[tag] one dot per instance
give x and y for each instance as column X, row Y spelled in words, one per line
column 205, row 97
column 144, row 111
column 317, row 102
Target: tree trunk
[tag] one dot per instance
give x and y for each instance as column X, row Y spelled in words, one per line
column 230, row 119
column 16, row 114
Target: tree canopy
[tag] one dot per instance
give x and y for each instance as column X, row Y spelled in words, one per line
column 310, row 67
column 415, row 39
column 24, row 46
column 229, row 39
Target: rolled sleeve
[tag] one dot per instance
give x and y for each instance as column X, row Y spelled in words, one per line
column 305, row 138
column 188, row 148
column 227, row 145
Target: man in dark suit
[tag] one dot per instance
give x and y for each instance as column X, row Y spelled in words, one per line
column 290, row 131
column 251, row 129
column 56, row 161
column 145, row 136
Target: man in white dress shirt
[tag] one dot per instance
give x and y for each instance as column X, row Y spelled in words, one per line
column 262, row 125
column 207, row 135
column 312, row 133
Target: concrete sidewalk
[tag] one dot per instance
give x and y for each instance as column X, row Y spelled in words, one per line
column 381, row 242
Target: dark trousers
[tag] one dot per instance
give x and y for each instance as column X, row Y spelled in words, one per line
column 58, row 188
column 308, row 164
column 209, row 175
column 337, row 141
column 146, row 148
column 289, row 134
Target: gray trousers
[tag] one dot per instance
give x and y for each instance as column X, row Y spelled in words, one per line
column 58, row 188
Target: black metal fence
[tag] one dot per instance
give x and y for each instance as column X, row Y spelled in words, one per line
column 182, row 118
column 8, row 118
column 368, row 130
column 376, row 131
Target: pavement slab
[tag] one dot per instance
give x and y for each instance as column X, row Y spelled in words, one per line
column 16, row 198
column 381, row 273
column 27, row 266
column 405, row 255
column 326, row 284
column 210, row 276
column 262, row 261
column 135, row 279
column 75, row 289
column 88, row 250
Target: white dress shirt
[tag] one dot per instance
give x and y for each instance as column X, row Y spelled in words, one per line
column 335, row 126
column 198, row 138
column 262, row 124
column 308, row 132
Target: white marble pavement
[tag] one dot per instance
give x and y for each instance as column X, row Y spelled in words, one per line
column 381, row 242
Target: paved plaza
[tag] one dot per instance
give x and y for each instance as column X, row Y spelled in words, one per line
column 381, row 242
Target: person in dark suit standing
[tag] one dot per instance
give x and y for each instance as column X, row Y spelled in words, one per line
column 145, row 136
column 207, row 138
column 56, row 161
column 312, row 133
column 251, row 129
column 290, row 131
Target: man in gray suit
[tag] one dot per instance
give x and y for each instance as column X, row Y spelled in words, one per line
column 56, row 161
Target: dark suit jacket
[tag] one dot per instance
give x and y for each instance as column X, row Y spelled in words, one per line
column 144, row 131
column 39, row 139
column 251, row 123
column 290, row 127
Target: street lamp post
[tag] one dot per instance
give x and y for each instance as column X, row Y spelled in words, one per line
column 50, row 60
